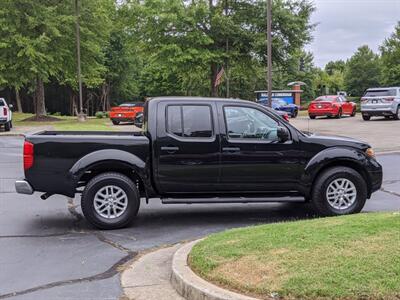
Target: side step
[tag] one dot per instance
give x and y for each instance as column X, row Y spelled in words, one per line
column 230, row 200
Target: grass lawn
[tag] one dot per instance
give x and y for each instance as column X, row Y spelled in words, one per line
column 66, row 123
column 350, row 257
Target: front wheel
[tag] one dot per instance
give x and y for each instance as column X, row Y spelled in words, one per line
column 115, row 122
column 353, row 113
column 295, row 113
column 339, row 191
column 110, row 201
column 339, row 115
column 312, row 117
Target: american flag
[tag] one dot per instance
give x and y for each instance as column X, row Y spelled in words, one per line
column 218, row 78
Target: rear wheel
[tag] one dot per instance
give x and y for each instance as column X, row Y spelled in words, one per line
column 397, row 115
column 110, row 201
column 353, row 112
column 366, row 117
column 339, row 191
column 115, row 122
column 7, row 126
column 312, row 117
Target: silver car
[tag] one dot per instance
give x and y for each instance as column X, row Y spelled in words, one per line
column 381, row 102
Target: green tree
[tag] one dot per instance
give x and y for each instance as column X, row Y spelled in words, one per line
column 362, row 71
column 390, row 56
column 337, row 65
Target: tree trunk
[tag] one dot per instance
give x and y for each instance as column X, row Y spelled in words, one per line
column 18, row 98
column 213, row 77
column 39, row 96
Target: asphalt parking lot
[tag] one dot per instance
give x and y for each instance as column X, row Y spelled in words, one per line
column 48, row 251
column 379, row 132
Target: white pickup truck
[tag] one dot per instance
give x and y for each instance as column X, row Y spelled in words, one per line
column 5, row 115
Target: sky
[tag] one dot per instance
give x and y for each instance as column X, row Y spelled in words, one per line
column 344, row 25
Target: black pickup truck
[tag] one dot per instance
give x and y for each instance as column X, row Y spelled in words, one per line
column 200, row 150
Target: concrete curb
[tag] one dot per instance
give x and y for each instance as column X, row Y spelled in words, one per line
column 192, row 287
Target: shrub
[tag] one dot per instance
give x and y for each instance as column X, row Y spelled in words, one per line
column 99, row 115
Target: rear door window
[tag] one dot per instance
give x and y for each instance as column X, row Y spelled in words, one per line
column 380, row 93
column 190, row 121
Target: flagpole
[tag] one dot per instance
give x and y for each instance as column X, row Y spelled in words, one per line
column 269, row 52
column 227, row 58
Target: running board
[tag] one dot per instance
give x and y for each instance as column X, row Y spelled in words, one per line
column 229, row 200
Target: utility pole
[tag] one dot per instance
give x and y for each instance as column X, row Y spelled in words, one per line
column 269, row 51
column 81, row 115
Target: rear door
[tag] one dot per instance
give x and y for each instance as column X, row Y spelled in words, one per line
column 187, row 147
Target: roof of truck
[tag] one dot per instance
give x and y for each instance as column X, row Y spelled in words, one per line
column 190, row 98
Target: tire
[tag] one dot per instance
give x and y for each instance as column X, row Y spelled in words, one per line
column 115, row 122
column 326, row 181
column 339, row 115
column 7, row 126
column 353, row 113
column 101, row 183
column 295, row 113
column 366, row 118
column 312, row 117
column 397, row 115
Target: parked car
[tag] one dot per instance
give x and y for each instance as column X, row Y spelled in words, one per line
column 125, row 112
column 281, row 105
column 383, row 102
column 199, row 150
column 331, row 106
column 5, row 114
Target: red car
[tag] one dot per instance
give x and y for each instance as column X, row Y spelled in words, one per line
column 125, row 112
column 331, row 106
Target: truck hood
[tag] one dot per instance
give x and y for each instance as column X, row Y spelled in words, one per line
column 336, row 140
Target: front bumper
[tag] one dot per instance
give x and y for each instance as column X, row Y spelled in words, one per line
column 23, row 187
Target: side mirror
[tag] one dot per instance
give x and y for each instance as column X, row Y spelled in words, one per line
column 283, row 134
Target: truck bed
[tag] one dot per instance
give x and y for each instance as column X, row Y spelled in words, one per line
column 57, row 152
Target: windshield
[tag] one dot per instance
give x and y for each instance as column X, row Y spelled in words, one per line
column 326, row 98
column 380, row 93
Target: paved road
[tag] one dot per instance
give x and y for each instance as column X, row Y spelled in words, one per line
column 47, row 251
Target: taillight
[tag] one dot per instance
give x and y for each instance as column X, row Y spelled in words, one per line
column 286, row 117
column 28, row 155
column 388, row 99
column 5, row 111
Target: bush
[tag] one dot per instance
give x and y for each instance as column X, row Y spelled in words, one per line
column 107, row 114
column 99, row 115
column 57, row 114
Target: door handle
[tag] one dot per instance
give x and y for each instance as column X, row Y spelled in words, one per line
column 170, row 149
column 231, row 149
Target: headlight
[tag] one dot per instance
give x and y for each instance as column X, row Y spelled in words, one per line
column 370, row 152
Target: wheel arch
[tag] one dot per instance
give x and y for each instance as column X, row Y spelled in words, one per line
column 335, row 157
column 111, row 160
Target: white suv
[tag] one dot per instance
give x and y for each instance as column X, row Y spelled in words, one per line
column 5, row 115
column 381, row 102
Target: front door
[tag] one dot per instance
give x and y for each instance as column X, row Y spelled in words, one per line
column 187, row 147
column 253, row 160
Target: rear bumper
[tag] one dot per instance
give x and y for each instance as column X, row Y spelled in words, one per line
column 376, row 112
column 323, row 112
column 23, row 187
column 3, row 121
column 123, row 119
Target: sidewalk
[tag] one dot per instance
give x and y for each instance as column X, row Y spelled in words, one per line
column 148, row 278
